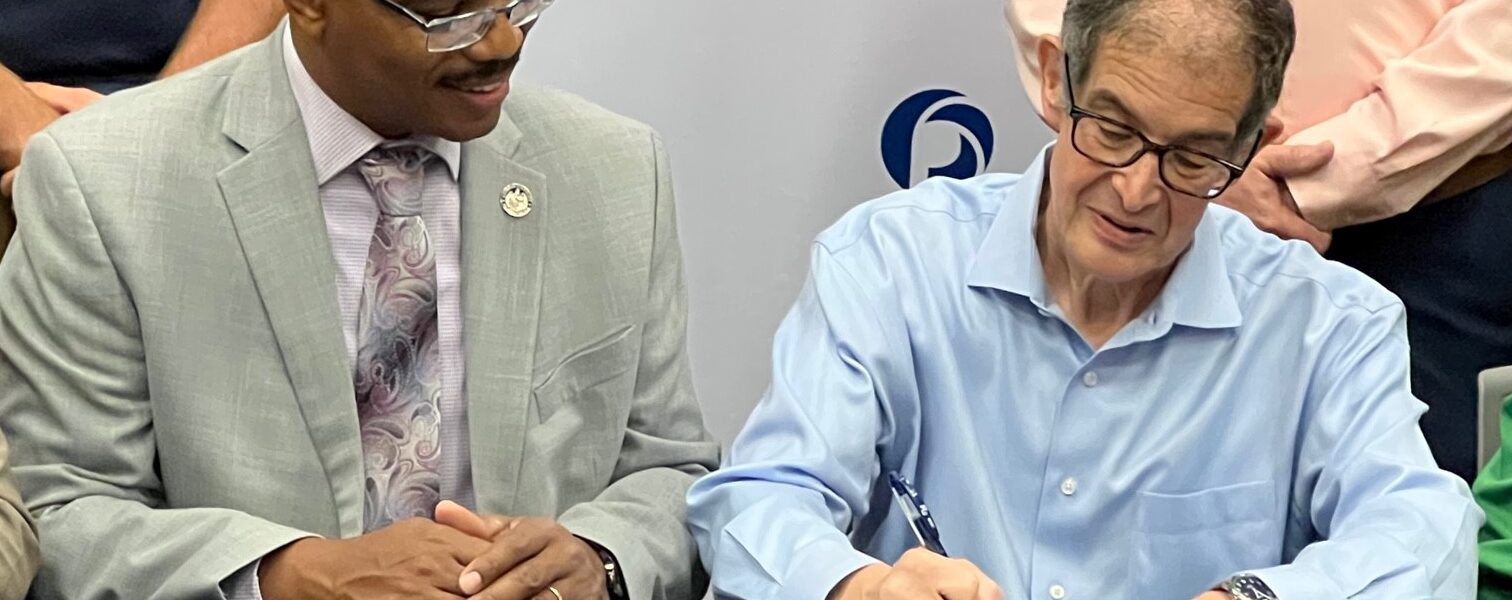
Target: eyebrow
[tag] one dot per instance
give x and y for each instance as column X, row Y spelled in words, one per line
column 1107, row 99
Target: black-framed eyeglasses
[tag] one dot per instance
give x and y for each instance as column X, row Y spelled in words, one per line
column 1115, row 144
column 456, row 32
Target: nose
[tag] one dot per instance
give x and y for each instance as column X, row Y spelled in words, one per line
column 1139, row 186
column 502, row 42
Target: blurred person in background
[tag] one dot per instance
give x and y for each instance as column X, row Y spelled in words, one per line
column 57, row 56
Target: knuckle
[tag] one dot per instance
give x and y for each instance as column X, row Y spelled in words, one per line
column 531, row 577
column 488, row 566
column 425, row 569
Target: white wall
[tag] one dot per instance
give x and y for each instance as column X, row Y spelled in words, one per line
column 773, row 114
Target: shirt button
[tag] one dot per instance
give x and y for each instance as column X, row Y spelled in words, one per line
column 1057, row 592
column 1090, row 379
column 1068, row 487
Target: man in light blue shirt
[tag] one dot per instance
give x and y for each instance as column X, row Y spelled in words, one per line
column 1102, row 385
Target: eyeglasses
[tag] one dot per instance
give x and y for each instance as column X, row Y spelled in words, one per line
column 1115, row 144
column 456, row 32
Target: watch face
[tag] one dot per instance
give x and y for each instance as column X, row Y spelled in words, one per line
column 1251, row 588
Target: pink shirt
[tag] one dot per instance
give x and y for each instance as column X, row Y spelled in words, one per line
column 1408, row 91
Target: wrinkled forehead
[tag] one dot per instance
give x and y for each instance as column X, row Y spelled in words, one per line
column 1173, row 95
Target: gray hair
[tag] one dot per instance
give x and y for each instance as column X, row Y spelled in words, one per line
column 1266, row 27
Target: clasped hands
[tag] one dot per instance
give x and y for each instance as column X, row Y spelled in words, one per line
column 457, row 555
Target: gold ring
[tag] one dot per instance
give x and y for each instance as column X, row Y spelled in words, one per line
column 554, row 592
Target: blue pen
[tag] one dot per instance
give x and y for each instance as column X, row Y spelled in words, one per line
column 919, row 520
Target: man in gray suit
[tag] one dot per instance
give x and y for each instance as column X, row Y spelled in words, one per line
column 320, row 320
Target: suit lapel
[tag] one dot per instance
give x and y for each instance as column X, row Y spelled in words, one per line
column 275, row 208
column 502, row 259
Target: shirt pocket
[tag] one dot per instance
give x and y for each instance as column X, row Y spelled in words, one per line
column 1185, row 543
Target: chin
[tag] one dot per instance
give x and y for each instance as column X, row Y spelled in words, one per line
column 1110, row 265
column 465, row 130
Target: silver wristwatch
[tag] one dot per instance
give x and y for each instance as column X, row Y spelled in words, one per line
column 1245, row 586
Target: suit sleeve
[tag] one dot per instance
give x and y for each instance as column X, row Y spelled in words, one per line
column 19, row 554
column 76, row 405
column 640, row 516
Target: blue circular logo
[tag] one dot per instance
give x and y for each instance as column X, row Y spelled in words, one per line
column 936, row 105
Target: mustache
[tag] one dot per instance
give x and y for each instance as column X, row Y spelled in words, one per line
column 488, row 71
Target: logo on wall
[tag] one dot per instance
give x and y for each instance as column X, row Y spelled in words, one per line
column 929, row 106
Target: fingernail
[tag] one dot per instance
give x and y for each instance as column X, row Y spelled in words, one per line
column 471, row 582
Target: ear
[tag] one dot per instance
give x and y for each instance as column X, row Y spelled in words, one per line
column 1275, row 131
column 307, row 17
column 1052, row 82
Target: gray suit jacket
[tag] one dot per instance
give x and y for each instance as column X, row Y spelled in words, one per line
column 173, row 375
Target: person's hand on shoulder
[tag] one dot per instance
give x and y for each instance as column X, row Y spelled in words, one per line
column 1261, row 192
column 63, row 99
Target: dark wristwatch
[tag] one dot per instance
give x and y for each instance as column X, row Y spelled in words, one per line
column 1245, row 586
column 614, row 578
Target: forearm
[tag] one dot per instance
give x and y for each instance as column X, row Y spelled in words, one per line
column 220, row 26
column 24, row 114
column 1432, row 112
column 766, row 533
column 1371, row 563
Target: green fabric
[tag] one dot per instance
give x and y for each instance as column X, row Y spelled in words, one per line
column 1493, row 490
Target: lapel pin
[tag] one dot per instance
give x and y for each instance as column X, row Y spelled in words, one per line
column 515, row 200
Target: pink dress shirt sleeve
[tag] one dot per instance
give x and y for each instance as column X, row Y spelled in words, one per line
column 1432, row 111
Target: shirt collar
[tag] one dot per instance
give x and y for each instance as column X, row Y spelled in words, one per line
column 1198, row 293
column 338, row 139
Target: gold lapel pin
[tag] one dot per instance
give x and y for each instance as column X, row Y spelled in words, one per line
column 515, row 200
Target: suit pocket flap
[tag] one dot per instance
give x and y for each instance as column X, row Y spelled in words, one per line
column 584, row 369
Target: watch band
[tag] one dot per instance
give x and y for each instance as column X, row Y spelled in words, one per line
column 614, row 578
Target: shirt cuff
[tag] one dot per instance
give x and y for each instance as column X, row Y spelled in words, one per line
column 1298, row 582
column 243, row 585
column 820, row 566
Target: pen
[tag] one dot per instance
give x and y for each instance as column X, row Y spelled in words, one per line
column 919, row 519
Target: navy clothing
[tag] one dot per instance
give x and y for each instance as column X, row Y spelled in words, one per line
column 1451, row 264
column 105, row 45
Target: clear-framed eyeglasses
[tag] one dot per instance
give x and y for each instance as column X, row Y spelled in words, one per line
column 447, row 34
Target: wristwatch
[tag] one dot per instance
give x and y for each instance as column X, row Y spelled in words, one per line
column 1245, row 586
column 614, row 579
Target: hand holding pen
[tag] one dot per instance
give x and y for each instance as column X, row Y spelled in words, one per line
column 924, row 572
column 919, row 519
